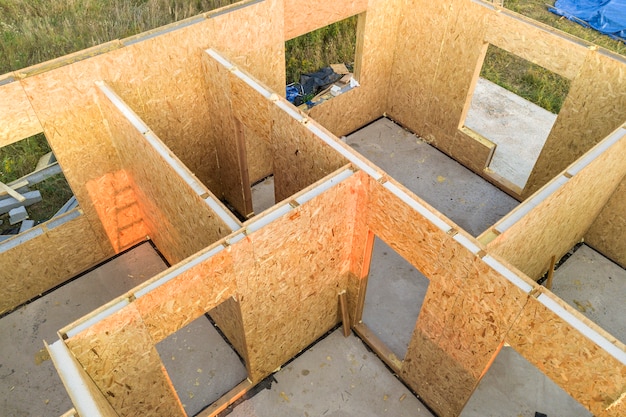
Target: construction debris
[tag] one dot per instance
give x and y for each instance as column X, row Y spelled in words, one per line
column 8, row 204
column 17, row 214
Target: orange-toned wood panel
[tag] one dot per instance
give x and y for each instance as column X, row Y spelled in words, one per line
column 46, row 261
column 607, row 232
column 17, row 118
column 173, row 213
column 563, row 218
column 119, row 356
column 288, row 296
column 584, row 370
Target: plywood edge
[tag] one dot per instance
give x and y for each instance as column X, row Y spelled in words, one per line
column 380, row 349
column 227, row 399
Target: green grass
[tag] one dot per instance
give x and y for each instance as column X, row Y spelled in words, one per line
column 34, row 31
column 310, row 52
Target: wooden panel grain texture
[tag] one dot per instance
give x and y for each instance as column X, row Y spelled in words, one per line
column 17, row 117
column 179, row 221
column 288, row 296
column 47, row 260
column 594, row 107
column 183, row 299
column 584, row 370
column 376, row 31
column 562, row 219
column 120, row 357
column 300, row 157
column 607, row 232
column 227, row 317
column 421, row 34
column 535, row 43
column 222, row 131
column 253, row 112
column 305, row 16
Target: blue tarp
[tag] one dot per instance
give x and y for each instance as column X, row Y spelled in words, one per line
column 605, row 16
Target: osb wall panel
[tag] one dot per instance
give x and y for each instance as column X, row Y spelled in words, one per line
column 536, row 43
column 114, row 198
column 594, row 107
column 223, row 133
column 562, row 219
column 607, row 232
column 376, row 31
column 63, row 100
column 585, row 371
column 305, row 16
column 17, row 118
column 227, row 317
column 253, row 111
column 183, row 299
column 300, row 157
column 288, row 296
column 47, row 260
column 465, row 315
column 179, row 221
column 119, row 356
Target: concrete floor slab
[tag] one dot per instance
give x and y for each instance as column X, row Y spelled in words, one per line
column 201, row 364
column 518, row 127
column 513, row 387
column 464, row 197
column 29, row 383
column 395, row 293
column 263, row 195
column 337, row 377
column 595, row 286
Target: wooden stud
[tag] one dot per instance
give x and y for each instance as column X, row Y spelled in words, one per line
column 9, row 190
column 345, row 317
column 551, row 272
column 377, row 345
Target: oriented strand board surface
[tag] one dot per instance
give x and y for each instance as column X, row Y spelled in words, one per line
column 562, row 219
column 119, row 355
column 46, row 261
column 305, row 16
column 607, row 232
column 227, row 317
column 535, row 43
column 585, row 371
column 300, row 157
column 594, row 107
column 17, row 117
column 288, row 296
column 179, row 221
column 183, row 299
column 376, row 31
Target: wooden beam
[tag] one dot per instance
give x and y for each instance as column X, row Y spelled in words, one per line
column 379, row 348
column 551, row 272
column 345, row 317
column 19, row 197
column 227, row 399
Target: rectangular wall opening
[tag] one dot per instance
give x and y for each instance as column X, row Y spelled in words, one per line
column 512, row 386
column 322, row 64
column 263, row 195
column 514, row 104
column 201, row 364
column 33, row 188
column 394, row 297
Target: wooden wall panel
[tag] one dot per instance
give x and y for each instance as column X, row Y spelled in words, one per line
column 47, row 260
column 300, row 157
column 288, row 297
column 227, row 317
column 17, row 117
column 377, row 30
column 119, row 356
column 305, row 16
column 594, row 107
column 223, row 132
column 607, row 232
column 179, row 221
column 183, row 299
column 584, row 370
column 536, row 42
column 562, row 219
